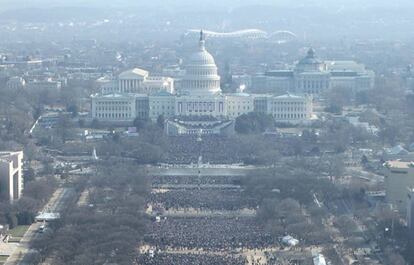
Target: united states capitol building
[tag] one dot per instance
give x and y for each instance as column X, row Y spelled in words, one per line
column 135, row 94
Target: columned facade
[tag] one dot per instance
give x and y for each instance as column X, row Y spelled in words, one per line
column 200, row 95
column 199, row 106
column 114, row 107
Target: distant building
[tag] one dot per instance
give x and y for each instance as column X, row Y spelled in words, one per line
column 11, row 177
column 318, row 259
column 115, row 106
column 138, row 81
column 312, row 76
column 350, row 75
column 135, row 81
column 238, row 104
column 200, row 95
column 106, row 85
column 397, row 152
column 287, row 108
column 410, row 211
column 399, row 176
column 161, row 104
column 15, row 82
column 355, row 121
column 48, row 84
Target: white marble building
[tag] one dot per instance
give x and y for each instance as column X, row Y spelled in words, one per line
column 48, row 84
column 135, row 81
column 114, row 107
column 291, row 108
column 239, row 104
column 200, row 95
column 16, row 82
column 313, row 76
column 162, row 103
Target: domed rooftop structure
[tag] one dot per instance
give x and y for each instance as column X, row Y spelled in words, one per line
column 202, row 56
column 201, row 72
column 310, row 63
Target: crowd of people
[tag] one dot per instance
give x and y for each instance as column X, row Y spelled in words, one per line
column 203, row 199
column 195, row 180
column 191, row 259
column 211, row 233
column 213, row 149
column 205, row 238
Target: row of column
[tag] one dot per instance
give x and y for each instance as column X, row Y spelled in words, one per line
column 129, row 85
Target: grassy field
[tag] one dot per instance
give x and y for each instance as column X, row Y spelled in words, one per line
column 18, row 232
column 3, row 259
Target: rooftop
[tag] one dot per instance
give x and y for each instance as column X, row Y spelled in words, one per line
column 135, row 73
column 399, row 164
column 289, row 96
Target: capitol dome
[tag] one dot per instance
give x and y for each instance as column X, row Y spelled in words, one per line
column 201, row 57
column 201, row 72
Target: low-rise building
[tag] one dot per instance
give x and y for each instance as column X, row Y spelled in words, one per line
column 291, row 108
column 114, row 107
column 48, row 84
column 15, row 82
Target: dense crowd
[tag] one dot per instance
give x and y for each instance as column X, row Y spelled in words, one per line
column 214, row 149
column 195, row 180
column 191, row 259
column 204, row 199
column 202, row 239
column 304, row 258
column 213, row 233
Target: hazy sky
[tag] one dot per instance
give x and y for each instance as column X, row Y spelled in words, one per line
column 319, row 19
column 6, row 4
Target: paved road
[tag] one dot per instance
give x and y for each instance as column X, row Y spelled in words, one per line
column 24, row 246
column 22, row 254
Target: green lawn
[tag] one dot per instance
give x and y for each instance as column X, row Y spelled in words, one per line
column 15, row 239
column 3, row 259
column 18, row 231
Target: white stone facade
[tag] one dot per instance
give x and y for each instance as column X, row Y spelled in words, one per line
column 11, row 174
column 162, row 104
column 48, row 84
column 201, row 106
column 239, row 104
column 291, row 109
column 113, row 107
column 200, row 95
column 138, row 81
column 311, row 76
column 16, row 82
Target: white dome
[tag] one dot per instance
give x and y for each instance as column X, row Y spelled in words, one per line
column 201, row 57
column 201, row 73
